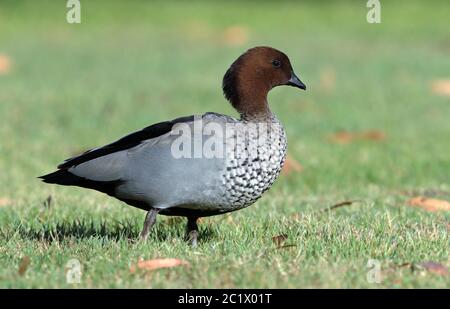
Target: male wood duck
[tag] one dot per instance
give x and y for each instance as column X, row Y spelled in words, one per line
column 231, row 167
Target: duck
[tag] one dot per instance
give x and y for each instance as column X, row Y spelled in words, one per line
column 200, row 165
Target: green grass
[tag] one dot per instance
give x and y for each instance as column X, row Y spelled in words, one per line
column 124, row 67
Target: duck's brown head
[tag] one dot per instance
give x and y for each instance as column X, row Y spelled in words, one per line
column 253, row 75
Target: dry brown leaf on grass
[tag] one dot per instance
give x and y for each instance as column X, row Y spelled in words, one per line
column 23, row 266
column 441, row 87
column 429, row 204
column 421, row 268
column 435, row 268
column 372, row 135
column 4, row 201
column 279, row 240
column 345, row 137
column 157, row 264
column 392, row 269
column 342, row 137
column 5, row 64
column 297, row 216
column 236, row 35
column 291, row 165
column 340, row 204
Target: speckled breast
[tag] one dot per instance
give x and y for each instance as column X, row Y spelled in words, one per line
column 255, row 154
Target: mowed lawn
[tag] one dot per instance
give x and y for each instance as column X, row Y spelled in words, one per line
column 66, row 88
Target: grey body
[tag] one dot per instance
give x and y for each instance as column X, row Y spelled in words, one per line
column 149, row 176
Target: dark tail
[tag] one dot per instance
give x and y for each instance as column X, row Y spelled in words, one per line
column 66, row 178
column 61, row 177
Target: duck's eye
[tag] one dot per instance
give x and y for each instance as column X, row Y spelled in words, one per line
column 276, row 63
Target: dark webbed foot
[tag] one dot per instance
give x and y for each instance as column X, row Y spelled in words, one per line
column 149, row 221
column 192, row 231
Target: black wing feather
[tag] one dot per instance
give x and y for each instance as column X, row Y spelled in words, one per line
column 125, row 142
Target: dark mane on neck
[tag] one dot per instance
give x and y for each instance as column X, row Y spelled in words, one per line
column 230, row 85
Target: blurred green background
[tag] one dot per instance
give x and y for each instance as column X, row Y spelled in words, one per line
column 384, row 88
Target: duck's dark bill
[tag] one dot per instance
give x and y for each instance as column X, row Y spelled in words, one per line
column 296, row 82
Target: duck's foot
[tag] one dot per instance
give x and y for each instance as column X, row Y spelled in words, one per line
column 149, row 221
column 192, row 231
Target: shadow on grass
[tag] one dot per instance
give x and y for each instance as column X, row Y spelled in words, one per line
column 81, row 229
column 86, row 229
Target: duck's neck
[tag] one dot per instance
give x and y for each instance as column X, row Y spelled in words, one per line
column 262, row 114
column 254, row 108
column 249, row 97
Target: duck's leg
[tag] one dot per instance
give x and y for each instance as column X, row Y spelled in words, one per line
column 192, row 231
column 149, row 221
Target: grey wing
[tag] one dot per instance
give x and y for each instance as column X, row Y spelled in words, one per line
column 148, row 171
column 159, row 174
